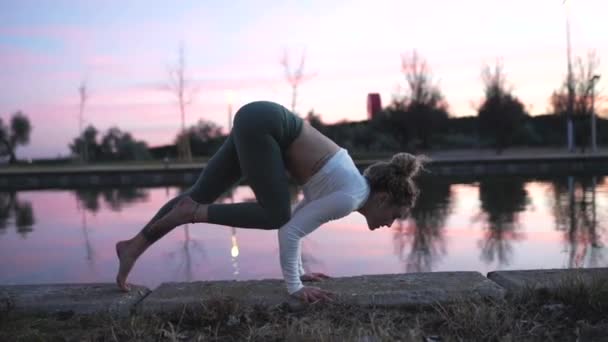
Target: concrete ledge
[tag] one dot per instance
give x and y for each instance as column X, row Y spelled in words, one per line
column 386, row 290
column 414, row 289
column 173, row 297
column 468, row 164
column 391, row 290
column 91, row 298
column 517, row 281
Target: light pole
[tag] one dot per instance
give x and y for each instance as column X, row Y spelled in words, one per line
column 83, row 149
column 230, row 99
column 594, row 80
column 570, row 84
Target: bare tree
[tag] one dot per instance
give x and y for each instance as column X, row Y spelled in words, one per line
column 421, row 110
column 582, row 85
column 185, row 93
column 83, row 96
column 294, row 77
column 421, row 87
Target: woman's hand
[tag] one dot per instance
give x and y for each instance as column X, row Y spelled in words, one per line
column 311, row 294
column 314, row 276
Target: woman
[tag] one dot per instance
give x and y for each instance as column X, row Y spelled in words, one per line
column 266, row 142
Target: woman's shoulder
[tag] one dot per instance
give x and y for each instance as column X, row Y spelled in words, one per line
column 358, row 189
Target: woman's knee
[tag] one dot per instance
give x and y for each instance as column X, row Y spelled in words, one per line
column 278, row 217
column 247, row 120
column 240, row 119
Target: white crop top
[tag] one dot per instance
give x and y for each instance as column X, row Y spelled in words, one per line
column 333, row 192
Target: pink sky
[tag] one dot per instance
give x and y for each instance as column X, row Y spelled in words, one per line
column 352, row 47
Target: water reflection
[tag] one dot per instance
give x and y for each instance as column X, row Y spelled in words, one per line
column 20, row 212
column 307, row 250
column 422, row 232
column 115, row 198
column 182, row 255
column 189, row 246
column 75, row 241
column 234, row 253
column 85, row 233
column 502, row 199
column 575, row 213
column 234, row 243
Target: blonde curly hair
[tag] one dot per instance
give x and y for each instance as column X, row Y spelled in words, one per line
column 396, row 177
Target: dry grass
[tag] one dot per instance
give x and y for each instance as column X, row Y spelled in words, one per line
column 571, row 312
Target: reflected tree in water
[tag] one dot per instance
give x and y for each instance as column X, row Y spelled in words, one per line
column 502, row 200
column 88, row 199
column 183, row 255
column 307, row 245
column 24, row 218
column 7, row 200
column 115, row 198
column 423, row 230
column 575, row 211
column 21, row 212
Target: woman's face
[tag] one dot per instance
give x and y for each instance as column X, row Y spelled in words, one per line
column 382, row 212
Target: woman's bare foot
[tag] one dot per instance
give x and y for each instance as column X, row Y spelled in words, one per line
column 184, row 211
column 126, row 260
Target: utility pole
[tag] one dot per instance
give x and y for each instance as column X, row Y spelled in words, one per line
column 230, row 99
column 594, row 80
column 570, row 110
column 84, row 149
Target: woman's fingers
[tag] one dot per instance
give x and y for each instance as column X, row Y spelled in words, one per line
column 326, row 297
column 322, row 275
column 330, row 295
column 323, row 295
column 314, row 276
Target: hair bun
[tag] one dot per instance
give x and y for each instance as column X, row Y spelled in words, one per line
column 407, row 165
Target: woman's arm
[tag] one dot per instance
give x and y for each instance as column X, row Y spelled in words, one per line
column 308, row 218
column 299, row 206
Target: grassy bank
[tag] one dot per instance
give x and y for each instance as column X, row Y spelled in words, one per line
column 572, row 312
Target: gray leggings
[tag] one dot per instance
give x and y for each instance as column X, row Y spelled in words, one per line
column 254, row 150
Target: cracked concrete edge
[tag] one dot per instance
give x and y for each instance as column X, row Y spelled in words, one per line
column 499, row 279
column 23, row 300
column 482, row 290
column 136, row 307
column 380, row 299
column 519, row 281
column 495, row 286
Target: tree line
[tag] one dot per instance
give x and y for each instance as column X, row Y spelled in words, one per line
column 417, row 119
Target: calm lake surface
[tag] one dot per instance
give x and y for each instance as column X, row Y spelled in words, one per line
column 485, row 224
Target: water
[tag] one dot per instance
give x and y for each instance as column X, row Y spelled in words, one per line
column 496, row 223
